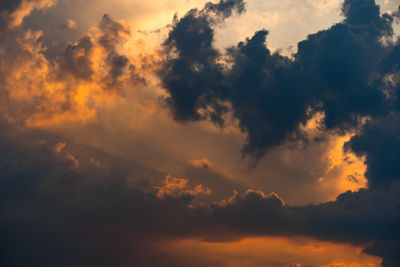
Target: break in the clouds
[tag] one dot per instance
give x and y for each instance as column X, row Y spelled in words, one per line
column 67, row 204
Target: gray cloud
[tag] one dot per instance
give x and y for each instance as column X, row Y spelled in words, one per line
column 335, row 71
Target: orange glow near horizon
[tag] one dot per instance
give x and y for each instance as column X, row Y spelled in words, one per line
column 273, row 251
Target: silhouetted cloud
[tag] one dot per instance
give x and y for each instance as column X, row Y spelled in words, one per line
column 335, row 71
column 364, row 217
column 191, row 73
column 379, row 142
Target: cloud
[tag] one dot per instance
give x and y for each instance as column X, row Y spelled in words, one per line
column 59, row 147
column 334, row 72
column 190, row 72
column 379, row 142
column 71, row 24
column 70, row 86
column 178, row 188
column 77, row 59
column 358, row 217
column 73, row 160
column 201, row 163
column 13, row 12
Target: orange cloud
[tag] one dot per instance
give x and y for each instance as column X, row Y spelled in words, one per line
column 25, row 8
column 71, row 24
column 178, row 187
column 59, row 147
column 250, row 192
column 201, row 163
column 72, row 159
column 89, row 74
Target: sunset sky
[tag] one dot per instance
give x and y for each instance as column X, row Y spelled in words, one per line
column 196, row 133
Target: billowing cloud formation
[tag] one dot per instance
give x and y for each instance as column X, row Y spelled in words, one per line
column 191, row 73
column 88, row 73
column 379, row 142
column 335, row 71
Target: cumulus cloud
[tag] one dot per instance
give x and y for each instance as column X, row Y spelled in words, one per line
column 178, row 188
column 335, row 71
column 86, row 74
column 378, row 141
column 191, row 72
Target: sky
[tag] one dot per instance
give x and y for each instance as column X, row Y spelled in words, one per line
column 196, row 133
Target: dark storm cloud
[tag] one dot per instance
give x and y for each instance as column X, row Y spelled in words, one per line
column 379, row 142
column 264, row 95
column 389, row 251
column 365, row 12
column 364, row 217
column 340, row 65
column 334, row 71
column 257, row 214
column 191, row 73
